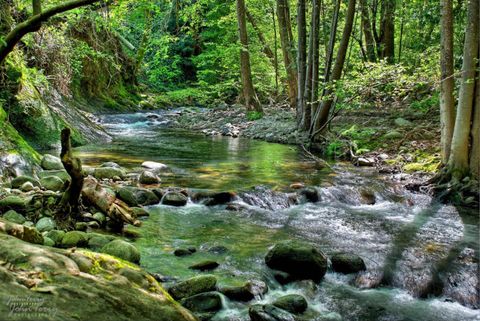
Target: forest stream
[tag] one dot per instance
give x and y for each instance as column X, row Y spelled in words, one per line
column 407, row 241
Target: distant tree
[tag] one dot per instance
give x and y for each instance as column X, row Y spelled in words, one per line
column 250, row 97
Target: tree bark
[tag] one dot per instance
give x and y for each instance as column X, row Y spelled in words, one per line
column 37, row 6
column 447, row 102
column 32, row 24
column 387, row 34
column 288, row 48
column 73, row 166
column 367, row 32
column 459, row 154
column 301, row 58
column 250, row 97
column 475, row 132
column 321, row 116
column 265, row 47
column 275, row 56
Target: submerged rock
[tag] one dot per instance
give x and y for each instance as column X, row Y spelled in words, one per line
column 147, row 177
column 123, row 250
column 192, row 286
column 135, row 196
column 213, row 198
column 203, row 302
column 293, row 303
column 268, row 312
column 205, row 266
column 184, row 252
column 50, row 162
column 246, row 292
column 347, row 263
column 310, row 194
column 174, row 199
column 300, row 261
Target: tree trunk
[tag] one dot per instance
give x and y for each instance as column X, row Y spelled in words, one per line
column 265, row 47
column 321, row 116
column 447, row 102
column 32, row 24
column 301, row 58
column 275, row 56
column 37, row 6
column 459, row 154
column 387, row 34
column 475, row 132
column 331, row 44
column 367, row 32
column 286, row 39
column 73, row 166
column 249, row 95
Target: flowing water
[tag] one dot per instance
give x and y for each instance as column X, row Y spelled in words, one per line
column 421, row 257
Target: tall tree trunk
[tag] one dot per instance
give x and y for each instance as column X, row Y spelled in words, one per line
column 316, row 64
column 143, row 44
column 275, row 56
column 288, row 48
column 249, row 95
column 37, row 6
column 388, row 31
column 367, row 31
column 447, row 102
column 321, row 116
column 32, row 24
column 331, row 42
column 475, row 132
column 459, row 154
column 301, row 57
column 265, row 47
column 311, row 82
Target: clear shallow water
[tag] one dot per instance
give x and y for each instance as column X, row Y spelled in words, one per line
column 404, row 232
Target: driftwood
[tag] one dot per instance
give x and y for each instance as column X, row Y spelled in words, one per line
column 106, row 201
column 73, row 166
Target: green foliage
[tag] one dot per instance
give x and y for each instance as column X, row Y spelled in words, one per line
column 361, row 140
column 254, row 115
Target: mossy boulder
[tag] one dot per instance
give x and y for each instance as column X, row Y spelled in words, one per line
column 50, row 162
column 108, row 172
column 17, row 182
column 96, row 242
column 74, row 238
column 14, row 217
column 268, row 312
column 301, row 261
column 48, row 241
column 123, row 250
column 245, row 292
column 52, row 183
column 45, row 224
column 15, row 203
column 203, row 302
column 192, row 286
column 204, row 265
column 347, row 263
column 61, row 173
column 134, row 196
column 293, row 303
column 174, row 199
column 147, row 177
column 56, row 236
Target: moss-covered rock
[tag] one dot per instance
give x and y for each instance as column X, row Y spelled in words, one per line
column 50, row 162
column 134, row 196
column 347, row 263
column 108, row 172
column 14, row 217
column 203, row 302
column 52, row 183
column 293, row 303
column 56, row 236
column 45, row 224
column 123, row 250
column 192, row 286
column 15, row 203
column 17, row 182
column 74, row 238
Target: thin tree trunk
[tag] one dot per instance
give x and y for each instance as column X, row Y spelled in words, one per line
column 475, row 132
column 32, row 24
column 249, row 95
column 367, row 31
column 459, row 154
column 331, row 44
column 301, row 58
column 388, row 30
column 266, row 48
column 307, row 92
column 402, row 25
column 286, row 39
column 275, row 45
column 321, row 116
column 447, row 102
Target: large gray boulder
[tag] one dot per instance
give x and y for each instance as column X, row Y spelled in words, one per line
column 301, row 261
column 50, row 162
column 123, row 250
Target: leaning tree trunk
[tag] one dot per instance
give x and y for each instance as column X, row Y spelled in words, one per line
column 33, row 23
column 459, row 155
column 73, row 166
column 288, row 48
column 321, row 117
column 250, row 97
column 265, row 47
column 447, row 101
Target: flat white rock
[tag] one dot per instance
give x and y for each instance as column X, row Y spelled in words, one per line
column 154, row 166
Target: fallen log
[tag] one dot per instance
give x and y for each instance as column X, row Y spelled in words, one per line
column 107, row 202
